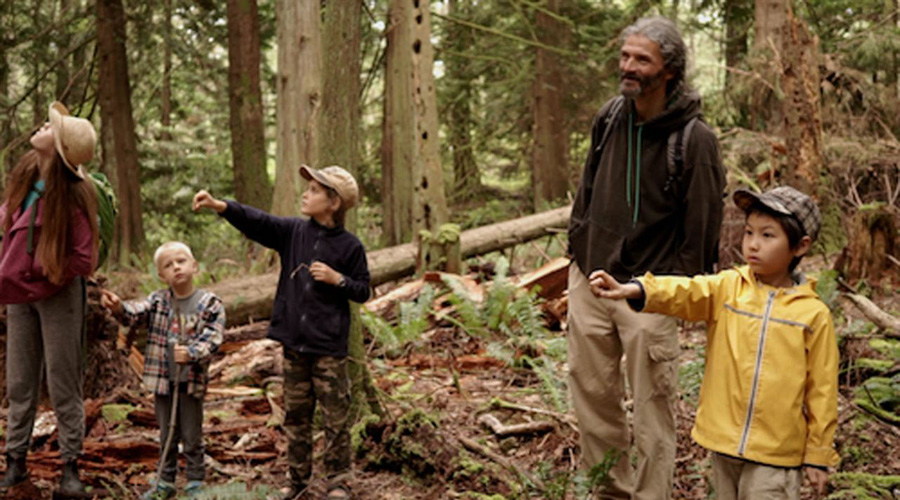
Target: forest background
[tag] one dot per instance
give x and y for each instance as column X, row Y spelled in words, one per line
column 458, row 111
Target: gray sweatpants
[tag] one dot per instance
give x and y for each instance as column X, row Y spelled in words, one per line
column 188, row 430
column 46, row 333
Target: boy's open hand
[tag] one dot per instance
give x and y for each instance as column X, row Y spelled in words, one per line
column 605, row 286
column 321, row 271
column 110, row 301
column 205, row 200
column 818, row 478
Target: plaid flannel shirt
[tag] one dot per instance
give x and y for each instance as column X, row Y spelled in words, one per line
column 157, row 312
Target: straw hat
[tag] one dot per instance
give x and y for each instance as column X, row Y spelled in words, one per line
column 75, row 138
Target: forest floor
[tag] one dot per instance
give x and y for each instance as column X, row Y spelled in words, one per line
column 439, row 391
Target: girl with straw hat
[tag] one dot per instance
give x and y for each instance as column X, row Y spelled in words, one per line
column 48, row 218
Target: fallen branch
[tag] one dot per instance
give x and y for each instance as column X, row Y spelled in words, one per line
column 502, row 430
column 562, row 417
column 889, row 324
column 472, row 445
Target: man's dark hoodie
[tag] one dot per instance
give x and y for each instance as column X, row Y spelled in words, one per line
column 629, row 217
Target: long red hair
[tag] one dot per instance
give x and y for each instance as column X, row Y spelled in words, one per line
column 63, row 193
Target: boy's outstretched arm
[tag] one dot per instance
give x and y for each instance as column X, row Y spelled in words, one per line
column 603, row 285
column 266, row 229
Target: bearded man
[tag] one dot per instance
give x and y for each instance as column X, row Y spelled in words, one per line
column 638, row 210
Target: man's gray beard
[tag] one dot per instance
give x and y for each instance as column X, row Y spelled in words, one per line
column 631, row 92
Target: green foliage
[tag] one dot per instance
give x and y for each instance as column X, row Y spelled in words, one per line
column 233, row 490
column 116, row 413
column 881, row 396
column 690, row 377
column 859, row 486
column 413, row 320
column 827, row 287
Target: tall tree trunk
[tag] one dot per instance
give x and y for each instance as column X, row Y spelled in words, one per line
column 80, row 67
column 549, row 164
column 248, row 142
column 398, row 142
column 770, row 26
column 801, row 110
column 339, row 145
column 461, row 94
column 62, row 66
column 893, row 69
column 115, row 97
column 299, row 90
column 165, row 111
column 7, row 38
column 430, row 202
column 737, row 17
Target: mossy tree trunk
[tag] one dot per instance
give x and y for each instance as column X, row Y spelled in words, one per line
column 549, row 159
column 339, row 140
column 248, row 142
column 115, row 99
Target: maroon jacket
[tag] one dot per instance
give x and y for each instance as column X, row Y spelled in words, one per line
column 22, row 277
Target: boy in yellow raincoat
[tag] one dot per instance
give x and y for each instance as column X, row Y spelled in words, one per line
column 768, row 402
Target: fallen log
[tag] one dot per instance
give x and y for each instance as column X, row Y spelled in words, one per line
column 889, row 324
column 250, row 298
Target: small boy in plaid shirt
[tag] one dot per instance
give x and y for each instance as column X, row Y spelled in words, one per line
column 185, row 328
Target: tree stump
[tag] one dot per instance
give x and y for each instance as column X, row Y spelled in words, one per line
column 872, row 252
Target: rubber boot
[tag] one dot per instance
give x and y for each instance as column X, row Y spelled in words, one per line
column 16, row 471
column 70, row 485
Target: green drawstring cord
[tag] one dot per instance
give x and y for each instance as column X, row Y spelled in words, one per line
column 628, row 166
column 637, row 180
column 637, row 171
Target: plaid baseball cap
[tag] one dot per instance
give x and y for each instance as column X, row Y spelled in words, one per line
column 336, row 178
column 784, row 200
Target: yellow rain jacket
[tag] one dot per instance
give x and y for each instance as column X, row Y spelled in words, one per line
column 769, row 391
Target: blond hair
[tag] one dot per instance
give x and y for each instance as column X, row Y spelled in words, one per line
column 171, row 245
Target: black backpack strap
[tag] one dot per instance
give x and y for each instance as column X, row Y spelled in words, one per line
column 614, row 110
column 675, row 156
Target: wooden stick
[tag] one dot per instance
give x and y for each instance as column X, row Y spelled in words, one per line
column 502, row 430
column 562, row 417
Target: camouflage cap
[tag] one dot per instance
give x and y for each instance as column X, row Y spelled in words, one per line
column 784, row 200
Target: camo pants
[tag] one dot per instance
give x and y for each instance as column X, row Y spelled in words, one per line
column 310, row 378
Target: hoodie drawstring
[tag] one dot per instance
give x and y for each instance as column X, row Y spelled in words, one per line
column 637, row 170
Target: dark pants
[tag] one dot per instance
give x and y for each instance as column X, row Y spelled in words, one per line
column 309, row 379
column 46, row 334
column 188, row 430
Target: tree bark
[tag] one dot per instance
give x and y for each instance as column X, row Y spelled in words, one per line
column 737, row 17
column 771, row 24
column 460, row 97
column 115, row 96
column 398, row 134
column 430, row 202
column 252, row 297
column 248, row 142
column 339, row 140
column 801, row 107
column 299, row 91
column 62, row 66
column 549, row 165
column 166, row 92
